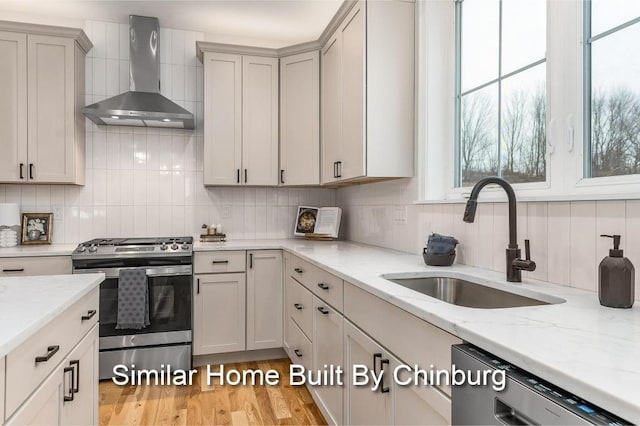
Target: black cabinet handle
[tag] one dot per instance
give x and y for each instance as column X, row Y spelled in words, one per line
column 51, row 351
column 13, row 270
column 323, row 311
column 281, row 176
column 298, row 306
column 339, row 164
column 198, row 281
column 298, row 270
column 90, row 314
column 376, row 356
column 383, row 388
column 245, row 175
column 238, row 175
column 30, row 170
column 298, row 353
column 220, row 262
column 324, row 286
column 250, row 260
column 73, row 379
column 21, row 170
column 76, row 383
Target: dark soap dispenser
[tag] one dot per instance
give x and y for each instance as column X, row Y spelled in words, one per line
column 616, row 286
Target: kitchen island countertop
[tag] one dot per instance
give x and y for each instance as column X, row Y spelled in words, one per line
column 29, row 303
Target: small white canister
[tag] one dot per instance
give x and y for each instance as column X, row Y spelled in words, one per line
column 9, row 224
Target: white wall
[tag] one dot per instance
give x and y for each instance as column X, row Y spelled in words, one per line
column 148, row 182
column 564, row 236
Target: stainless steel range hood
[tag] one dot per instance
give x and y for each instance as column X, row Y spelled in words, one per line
column 142, row 105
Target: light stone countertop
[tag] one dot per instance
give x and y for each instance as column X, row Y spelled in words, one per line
column 39, row 250
column 29, row 303
column 587, row 349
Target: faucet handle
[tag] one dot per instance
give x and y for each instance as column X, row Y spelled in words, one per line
column 525, row 264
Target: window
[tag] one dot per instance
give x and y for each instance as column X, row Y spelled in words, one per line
column 501, row 103
column 612, row 88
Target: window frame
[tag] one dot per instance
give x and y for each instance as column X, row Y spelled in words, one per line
column 566, row 150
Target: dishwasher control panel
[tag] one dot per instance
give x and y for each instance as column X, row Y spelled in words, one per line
column 590, row 413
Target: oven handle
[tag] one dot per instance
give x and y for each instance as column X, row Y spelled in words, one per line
column 159, row 271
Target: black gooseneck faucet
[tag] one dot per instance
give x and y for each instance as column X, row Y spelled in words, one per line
column 515, row 265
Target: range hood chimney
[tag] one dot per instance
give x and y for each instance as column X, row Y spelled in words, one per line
column 142, row 105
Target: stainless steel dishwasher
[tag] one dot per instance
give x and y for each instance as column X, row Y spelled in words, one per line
column 525, row 400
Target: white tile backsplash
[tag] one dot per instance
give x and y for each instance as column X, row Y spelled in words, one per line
column 565, row 241
column 146, row 182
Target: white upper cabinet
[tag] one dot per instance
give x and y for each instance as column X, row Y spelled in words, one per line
column 240, row 119
column 331, row 109
column 259, row 120
column 223, row 118
column 368, row 94
column 300, row 119
column 42, row 129
column 13, row 105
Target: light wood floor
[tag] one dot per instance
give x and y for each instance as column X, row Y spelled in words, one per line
column 199, row 404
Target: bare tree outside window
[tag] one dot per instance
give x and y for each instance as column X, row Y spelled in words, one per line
column 613, row 120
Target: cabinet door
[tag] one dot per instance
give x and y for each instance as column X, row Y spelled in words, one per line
column 13, row 106
column 352, row 39
column 328, row 351
column 44, row 406
column 51, row 106
column 364, row 406
column 416, row 405
column 259, row 120
column 222, row 118
column 83, row 410
column 331, row 102
column 219, row 313
column 300, row 119
column 2, row 362
column 264, row 299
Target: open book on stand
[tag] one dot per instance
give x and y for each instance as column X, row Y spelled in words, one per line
column 321, row 223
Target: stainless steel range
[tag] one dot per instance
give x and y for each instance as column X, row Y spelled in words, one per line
column 167, row 263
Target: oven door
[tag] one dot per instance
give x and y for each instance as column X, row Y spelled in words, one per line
column 170, row 296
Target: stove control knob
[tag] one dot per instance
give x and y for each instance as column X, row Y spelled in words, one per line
column 163, row 246
column 81, row 249
column 93, row 249
column 174, row 246
column 185, row 246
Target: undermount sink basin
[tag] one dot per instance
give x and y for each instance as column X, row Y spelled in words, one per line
column 461, row 292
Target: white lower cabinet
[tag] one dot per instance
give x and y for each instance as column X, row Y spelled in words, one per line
column 327, row 352
column 69, row 396
column 264, row 299
column 362, row 405
column 83, row 361
column 418, row 405
column 2, row 389
column 219, row 313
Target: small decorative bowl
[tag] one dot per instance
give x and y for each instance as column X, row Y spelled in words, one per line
column 438, row 259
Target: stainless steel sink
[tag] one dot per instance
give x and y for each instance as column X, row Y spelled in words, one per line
column 466, row 293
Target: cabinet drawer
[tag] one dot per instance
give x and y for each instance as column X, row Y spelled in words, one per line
column 326, row 286
column 300, row 348
column 214, row 262
column 299, row 305
column 382, row 320
column 24, row 374
column 36, row 265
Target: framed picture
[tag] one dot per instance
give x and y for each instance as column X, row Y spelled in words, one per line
column 305, row 220
column 36, row 228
